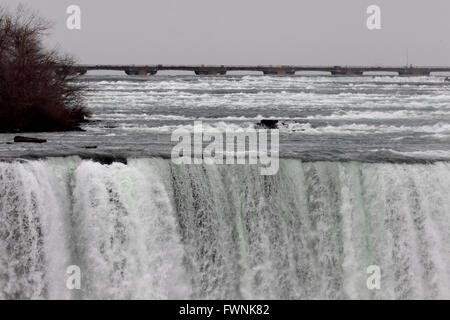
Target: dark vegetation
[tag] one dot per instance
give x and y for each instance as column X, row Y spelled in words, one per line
column 37, row 91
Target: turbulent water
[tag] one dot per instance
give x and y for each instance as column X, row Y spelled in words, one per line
column 151, row 229
column 363, row 182
column 321, row 117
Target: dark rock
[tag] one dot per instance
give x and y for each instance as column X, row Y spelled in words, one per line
column 268, row 124
column 106, row 158
column 90, row 147
column 28, row 139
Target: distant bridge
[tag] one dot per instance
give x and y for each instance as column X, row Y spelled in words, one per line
column 267, row 70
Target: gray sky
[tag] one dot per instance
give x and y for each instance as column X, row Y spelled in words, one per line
column 303, row 32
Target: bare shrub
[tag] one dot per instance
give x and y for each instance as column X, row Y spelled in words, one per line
column 37, row 91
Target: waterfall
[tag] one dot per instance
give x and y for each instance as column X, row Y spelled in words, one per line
column 153, row 229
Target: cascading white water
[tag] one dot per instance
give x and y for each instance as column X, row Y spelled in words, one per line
column 152, row 229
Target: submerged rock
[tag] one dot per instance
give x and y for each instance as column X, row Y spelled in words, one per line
column 28, row 139
column 268, row 124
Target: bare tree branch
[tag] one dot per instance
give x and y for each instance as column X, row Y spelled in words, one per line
column 36, row 88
